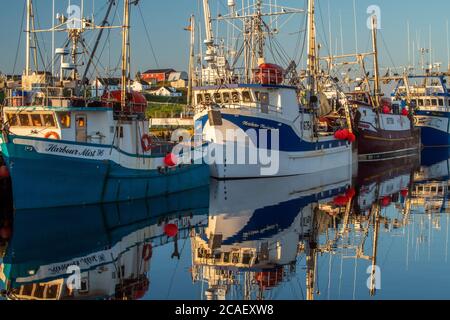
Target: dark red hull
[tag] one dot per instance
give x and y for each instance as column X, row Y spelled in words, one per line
column 384, row 144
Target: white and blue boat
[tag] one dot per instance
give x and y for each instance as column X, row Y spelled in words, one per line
column 429, row 97
column 252, row 116
column 63, row 148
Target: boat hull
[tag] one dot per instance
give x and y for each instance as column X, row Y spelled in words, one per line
column 435, row 130
column 384, row 144
column 42, row 180
column 293, row 156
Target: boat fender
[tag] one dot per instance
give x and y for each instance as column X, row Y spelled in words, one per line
column 146, row 143
column 52, row 134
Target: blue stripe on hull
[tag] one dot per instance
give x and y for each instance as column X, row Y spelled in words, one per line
column 41, row 181
column 289, row 140
column 432, row 137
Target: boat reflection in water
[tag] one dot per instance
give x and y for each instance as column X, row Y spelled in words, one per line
column 256, row 231
column 112, row 245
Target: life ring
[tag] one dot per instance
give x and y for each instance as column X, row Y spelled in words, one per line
column 146, row 143
column 53, row 134
column 147, row 252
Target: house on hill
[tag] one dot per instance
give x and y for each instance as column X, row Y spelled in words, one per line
column 178, row 79
column 140, row 86
column 165, row 92
column 100, row 85
column 156, row 75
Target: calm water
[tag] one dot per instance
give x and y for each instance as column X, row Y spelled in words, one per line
column 313, row 237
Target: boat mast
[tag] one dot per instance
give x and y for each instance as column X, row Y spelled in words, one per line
column 376, row 93
column 312, row 53
column 125, row 47
column 209, row 42
column 191, row 61
column 28, row 40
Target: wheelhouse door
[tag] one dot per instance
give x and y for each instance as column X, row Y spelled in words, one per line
column 81, row 128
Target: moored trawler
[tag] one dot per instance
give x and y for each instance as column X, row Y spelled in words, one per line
column 63, row 148
column 429, row 97
column 252, row 115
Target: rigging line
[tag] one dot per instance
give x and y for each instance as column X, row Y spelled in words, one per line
column 42, row 40
column 148, row 36
column 325, row 40
column 20, row 39
column 387, row 50
column 176, row 268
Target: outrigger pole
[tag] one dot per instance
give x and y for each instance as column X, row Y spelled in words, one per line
column 28, row 40
column 376, row 99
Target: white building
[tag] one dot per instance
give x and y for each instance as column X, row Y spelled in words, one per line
column 165, row 92
column 140, row 86
column 99, row 85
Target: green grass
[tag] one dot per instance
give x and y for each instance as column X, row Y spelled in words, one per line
column 176, row 100
column 170, row 110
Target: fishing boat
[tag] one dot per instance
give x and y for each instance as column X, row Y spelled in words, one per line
column 109, row 246
column 384, row 130
column 252, row 116
column 429, row 97
column 64, row 148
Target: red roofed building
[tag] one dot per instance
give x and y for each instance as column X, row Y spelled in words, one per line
column 156, row 75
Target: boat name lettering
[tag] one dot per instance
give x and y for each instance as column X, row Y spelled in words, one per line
column 86, row 152
column 255, row 125
column 90, row 260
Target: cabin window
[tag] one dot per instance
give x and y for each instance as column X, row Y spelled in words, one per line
column 226, row 97
column 235, row 97
column 13, row 119
column 434, row 102
column 199, row 98
column 441, row 102
column 246, row 258
column 420, row 103
column 390, row 121
column 48, row 120
column 36, row 120
column 64, row 119
column 427, row 102
column 217, row 97
column 226, row 257
column 24, row 120
column 246, row 97
column 207, row 98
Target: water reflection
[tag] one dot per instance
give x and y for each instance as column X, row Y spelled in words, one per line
column 378, row 232
column 112, row 245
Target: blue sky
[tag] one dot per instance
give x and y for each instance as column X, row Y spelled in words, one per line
column 166, row 19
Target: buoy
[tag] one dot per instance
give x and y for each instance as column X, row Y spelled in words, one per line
column 404, row 192
column 385, row 201
column 342, row 134
column 170, row 160
column 4, row 172
column 171, row 230
column 351, row 137
column 386, row 109
column 341, row 200
column 405, row 112
column 350, row 193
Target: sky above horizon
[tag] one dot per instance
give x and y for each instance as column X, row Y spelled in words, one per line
column 165, row 20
